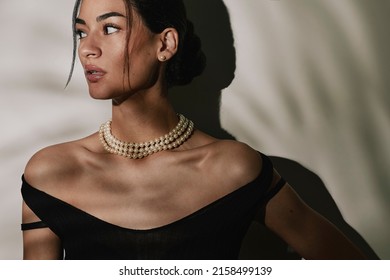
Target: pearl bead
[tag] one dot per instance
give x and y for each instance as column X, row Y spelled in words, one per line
column 171, row 140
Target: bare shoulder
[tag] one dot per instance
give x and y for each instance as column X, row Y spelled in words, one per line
column 238, row 161
column 54, row 163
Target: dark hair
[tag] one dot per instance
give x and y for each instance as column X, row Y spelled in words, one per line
column 157, row 15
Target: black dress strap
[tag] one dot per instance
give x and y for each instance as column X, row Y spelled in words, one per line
column 35, row 225
column 260, row 213
column 278, row 186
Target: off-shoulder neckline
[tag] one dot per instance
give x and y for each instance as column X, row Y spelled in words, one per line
column 255, row 182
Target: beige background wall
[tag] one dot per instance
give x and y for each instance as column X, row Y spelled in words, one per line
column 313, row 77
column 311, row 84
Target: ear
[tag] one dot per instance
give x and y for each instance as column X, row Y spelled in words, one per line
column 169, row 42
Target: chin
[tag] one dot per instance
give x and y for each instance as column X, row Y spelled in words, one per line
column 99, row 94
column 99, row 91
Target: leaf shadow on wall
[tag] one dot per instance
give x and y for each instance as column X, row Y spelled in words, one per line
column 200, row 101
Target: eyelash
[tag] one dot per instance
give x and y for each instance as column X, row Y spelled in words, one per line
column 110, row 25
column 81, row 34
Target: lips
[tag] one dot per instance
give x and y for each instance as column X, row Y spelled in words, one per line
column 93, row 73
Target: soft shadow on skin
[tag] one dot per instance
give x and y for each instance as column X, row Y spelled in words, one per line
column 200, row 101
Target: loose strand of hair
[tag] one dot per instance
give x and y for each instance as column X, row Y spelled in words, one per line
column 126, row 65
column 74, row 52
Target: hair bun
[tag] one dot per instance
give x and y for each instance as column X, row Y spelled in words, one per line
column 189, row 61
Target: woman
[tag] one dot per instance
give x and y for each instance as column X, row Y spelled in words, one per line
column 165, row 190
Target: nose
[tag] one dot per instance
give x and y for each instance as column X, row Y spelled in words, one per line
column 89, row 47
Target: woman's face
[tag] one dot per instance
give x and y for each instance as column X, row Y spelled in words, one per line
column 102, row 30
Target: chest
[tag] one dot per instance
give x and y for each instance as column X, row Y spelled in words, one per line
column 144, row 198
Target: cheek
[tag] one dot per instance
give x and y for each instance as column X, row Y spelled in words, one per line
column 115, row 62
column 143, row 66
column 115, row 53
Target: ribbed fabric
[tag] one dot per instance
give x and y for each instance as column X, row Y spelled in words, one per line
column 35, row 225
column 213, row 232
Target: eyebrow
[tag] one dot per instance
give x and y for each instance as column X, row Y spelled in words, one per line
column 101, row 18
column 108, row 15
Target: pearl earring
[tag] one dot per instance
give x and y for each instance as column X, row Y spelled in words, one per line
column 163, row 58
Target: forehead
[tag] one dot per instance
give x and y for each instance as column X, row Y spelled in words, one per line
column 93, row 8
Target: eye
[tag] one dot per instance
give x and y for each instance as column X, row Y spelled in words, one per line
column 80, row 34
column 110, row 29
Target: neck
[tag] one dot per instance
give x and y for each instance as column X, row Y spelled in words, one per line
column 143, row 117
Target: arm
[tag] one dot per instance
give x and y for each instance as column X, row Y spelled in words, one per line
column 39, row 244
column 310, row 234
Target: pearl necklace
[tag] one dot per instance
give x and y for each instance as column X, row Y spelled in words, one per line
column 173, row 139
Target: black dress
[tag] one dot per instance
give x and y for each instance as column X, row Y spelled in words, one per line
column 212, row 232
